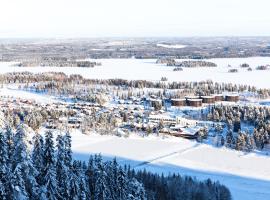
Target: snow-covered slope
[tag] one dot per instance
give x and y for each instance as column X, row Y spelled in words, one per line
column 246, row 175
column 13, row 92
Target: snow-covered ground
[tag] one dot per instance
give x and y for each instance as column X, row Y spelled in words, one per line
column 147, row 69
column 172, row 46
column 13, row 92
column 246, row 175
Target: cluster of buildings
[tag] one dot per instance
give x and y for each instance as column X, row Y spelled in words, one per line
column 135, row 112
column 193, row 101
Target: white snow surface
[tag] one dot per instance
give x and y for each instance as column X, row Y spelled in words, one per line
column 13, row 92
column 246, row 175
column 172, row 46
column 147, row 69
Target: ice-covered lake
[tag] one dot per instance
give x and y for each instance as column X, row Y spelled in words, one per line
column 137, row 69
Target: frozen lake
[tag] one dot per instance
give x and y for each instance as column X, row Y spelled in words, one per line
column 147, row 69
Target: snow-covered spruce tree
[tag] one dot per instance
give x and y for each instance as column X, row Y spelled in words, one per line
column 2, row 191
column 9, row 134
column 49, row 172
column 90, row 177
column 18, row 191
column 250, row 143
column 112, row 169
column 67, row 150
column 240, row 142
column 22, row 163
column 38, row 156
column 121, row 184
column 229, row 139
column 74, row 182
column 101, row 191
column 79, row 169
column 3, row 165
column 135, row 190
column 62, row 170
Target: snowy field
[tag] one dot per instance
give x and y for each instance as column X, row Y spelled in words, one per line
column 14, row 92
column 172, row 46
column 246, row 175
column 147, row 69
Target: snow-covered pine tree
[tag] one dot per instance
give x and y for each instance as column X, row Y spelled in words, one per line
column 68, row 151
column 135, row 190
column 74, row 187
column 22, row 162
column 101, row 191
column 240, row 141
column 49, row 172
column 17, row 182
column 38, row 155
column 229, row 139
column 90, row 177
column 79, row 169
column 9, row 134
column 62, row 171
column 3, row 165
column 121, row 184
column 112, row 172
column 2, row 191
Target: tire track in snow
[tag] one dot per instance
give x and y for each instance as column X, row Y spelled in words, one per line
column 166, row 155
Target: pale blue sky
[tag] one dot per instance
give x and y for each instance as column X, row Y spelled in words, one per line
column 116, row 18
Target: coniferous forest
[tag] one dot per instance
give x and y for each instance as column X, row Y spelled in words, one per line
column 42, row 168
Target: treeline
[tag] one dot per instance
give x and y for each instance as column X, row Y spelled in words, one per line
column 57, row 63
column 176, row 187
column 38, row 169
column 59, row 80
column 191, row 63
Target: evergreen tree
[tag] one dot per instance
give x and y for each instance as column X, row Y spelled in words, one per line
column 135, row 190
column 49, row 173
column 22, row 162
column 121, row 184
column 62, row 171
column 68, row 151
column 74, row 187
column 101, row 191
column 90, row 177
column 9, row 137
column 229, row 139
column 240, row 142
column 2, row 191
column 3, row 165
column 112, row 168
column 38, row 155
column 18, row 191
